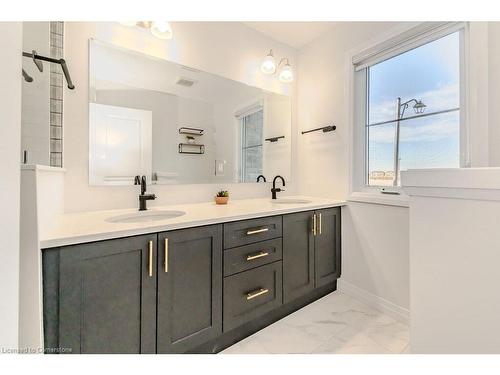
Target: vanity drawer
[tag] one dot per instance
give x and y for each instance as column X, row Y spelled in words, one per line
column 245, row 232
column 246, row 257
column 250, row 294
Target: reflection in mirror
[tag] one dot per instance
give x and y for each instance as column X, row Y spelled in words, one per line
column 179, row 125
column 42, row 95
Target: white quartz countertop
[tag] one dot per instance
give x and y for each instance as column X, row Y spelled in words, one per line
column 73, row 228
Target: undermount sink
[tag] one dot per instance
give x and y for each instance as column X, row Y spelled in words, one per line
column 145, row 216
column 290, row 201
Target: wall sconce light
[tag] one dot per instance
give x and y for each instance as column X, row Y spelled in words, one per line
column 160, row 29
column 269, row 67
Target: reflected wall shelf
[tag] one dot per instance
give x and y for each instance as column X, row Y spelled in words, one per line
column 191, row 148
column 274, row 139
column 191, row 131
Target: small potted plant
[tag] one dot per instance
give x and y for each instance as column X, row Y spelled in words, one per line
column 222, row 197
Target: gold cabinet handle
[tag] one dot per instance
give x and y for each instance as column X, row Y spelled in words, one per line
column 150, row 260
column 320, row 225
column 165, row 262
column 257, row 256
column 256, row 293
column 314, row 225
column 255, row 231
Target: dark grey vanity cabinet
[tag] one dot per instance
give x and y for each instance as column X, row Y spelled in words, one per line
column 252, row 269
column 298, row 255
column 189, row 288
column 101, row 297
column 327, row 247
column 311, row 251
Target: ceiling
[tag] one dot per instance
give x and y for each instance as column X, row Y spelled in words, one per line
column 294, row 34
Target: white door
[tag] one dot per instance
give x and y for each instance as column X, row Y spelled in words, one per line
column 120, row 143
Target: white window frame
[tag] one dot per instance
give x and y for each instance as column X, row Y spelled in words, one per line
column 400, row 41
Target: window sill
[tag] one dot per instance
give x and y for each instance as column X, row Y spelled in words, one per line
column 379, row 198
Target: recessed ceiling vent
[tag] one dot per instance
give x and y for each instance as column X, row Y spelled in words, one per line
column 186, row 82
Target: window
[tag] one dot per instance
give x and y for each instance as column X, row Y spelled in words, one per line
column 408, row 105
column 251, row 145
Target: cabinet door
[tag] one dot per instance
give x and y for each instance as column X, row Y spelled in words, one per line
column 189, row 288
column 107, row 296
column 327, row 246
column 298, row 255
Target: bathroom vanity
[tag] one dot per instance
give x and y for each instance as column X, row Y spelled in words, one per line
column 194, row 283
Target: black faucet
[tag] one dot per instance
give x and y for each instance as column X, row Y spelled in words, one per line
column 275, row 190
column 261, row 176
column 143, row 198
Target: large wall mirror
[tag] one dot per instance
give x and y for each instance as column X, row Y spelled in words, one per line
column 179, row 125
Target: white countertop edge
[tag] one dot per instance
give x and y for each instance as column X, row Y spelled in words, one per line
column 74, row 239
column 379, row 198
column 38, row 167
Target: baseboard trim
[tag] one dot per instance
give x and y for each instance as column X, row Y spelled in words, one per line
column 387, row 307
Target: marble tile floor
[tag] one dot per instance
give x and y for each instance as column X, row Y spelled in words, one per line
column 336, row 323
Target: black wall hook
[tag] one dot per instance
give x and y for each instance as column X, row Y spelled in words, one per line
column 325, row 129
column 38, row 58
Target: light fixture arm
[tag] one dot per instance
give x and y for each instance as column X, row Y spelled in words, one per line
column 283, row 59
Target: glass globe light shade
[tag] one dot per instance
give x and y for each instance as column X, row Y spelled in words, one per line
column 268, row 65
column 161, row 29
column 286, row 74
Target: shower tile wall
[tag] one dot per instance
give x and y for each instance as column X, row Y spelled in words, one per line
column 56, row 93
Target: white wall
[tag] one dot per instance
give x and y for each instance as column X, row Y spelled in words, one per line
column 454, row 294
column 10, row 142
column 454, row 258
column 375, row 237
column 228, row 49
column 376, row 256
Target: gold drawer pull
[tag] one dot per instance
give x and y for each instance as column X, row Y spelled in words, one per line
column 255, row 231
column 165, row 264
column 320, row 225
column 150, row 259
column 314, row 225
column 256, row 293
column 258, row 255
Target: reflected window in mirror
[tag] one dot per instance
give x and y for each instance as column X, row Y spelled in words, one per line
column 251, row 142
